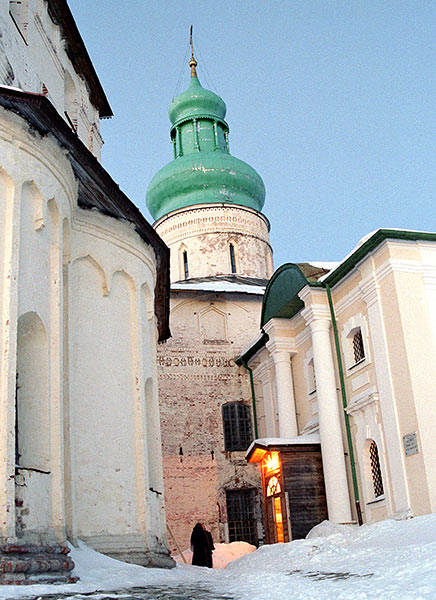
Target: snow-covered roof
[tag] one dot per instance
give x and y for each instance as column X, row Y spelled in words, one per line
column 365, row 239
column 311, row 438
column 222, row 286
column 329, row 266
column 232, row 284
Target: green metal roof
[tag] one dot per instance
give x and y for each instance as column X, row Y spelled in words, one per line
column 203, row 171
column 370, row 244
column 203, row 178
column 280, row 299
column 281, row 295
column 196, row 101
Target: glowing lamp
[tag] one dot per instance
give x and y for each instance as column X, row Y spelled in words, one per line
column 272, row 462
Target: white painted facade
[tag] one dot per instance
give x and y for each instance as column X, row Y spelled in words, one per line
column 33, row 58
column 80, row 438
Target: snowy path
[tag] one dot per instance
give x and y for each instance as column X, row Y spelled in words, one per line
column 391, row 560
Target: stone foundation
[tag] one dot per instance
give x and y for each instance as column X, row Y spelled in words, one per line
column 25, row 565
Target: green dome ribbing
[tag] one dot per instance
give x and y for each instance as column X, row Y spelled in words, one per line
column 203, row 171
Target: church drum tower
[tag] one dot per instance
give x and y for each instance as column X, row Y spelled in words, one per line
column 207, row 207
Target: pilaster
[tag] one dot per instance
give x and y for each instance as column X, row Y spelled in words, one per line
column 262, row 373
column 370, row 289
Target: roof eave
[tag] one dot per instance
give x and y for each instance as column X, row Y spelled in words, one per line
column 96, row 187
column 370, row 245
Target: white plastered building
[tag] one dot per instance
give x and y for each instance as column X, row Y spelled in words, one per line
column 349, row 356
column 84, row 301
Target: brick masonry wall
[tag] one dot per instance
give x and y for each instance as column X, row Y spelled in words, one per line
column 197, row 375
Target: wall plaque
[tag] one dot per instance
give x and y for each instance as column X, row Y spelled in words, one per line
column 410, row 442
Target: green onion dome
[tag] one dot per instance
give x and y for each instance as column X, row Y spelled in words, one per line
column 196, row 101
column 203, row 171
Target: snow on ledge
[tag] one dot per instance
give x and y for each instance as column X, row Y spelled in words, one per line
column 220, row 286
column 310, row 438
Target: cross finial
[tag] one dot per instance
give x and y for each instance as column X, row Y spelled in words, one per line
column 192, row 62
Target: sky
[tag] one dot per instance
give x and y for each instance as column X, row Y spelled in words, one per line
column 332, row 102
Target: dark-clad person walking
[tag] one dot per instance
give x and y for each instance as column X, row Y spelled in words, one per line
column 201, row 546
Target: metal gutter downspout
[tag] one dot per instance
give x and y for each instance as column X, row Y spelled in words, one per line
column 344, row 403
column 253, row 396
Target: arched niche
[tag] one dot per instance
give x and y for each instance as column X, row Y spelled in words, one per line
column 71, row 104
column 87, row 269
column 7, row 190
column 32, row 394
column 19, row 11
column 55, row 242
column 32, row 205
column 66, row 235
column 147, row 307
column 121, row 274
column 213, row 325
column 6, row 187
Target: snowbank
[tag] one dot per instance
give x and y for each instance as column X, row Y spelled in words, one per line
column 390, row 560
column 222, row 555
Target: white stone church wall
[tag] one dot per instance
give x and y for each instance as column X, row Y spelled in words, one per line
column 78, row 323
column 33, row 58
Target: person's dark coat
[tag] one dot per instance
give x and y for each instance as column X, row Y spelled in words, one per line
column 211, row 548
column 201, row 546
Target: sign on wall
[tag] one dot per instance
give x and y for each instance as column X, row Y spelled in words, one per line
column 410, row 442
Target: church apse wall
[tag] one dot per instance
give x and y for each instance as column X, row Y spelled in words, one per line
column 78, row 373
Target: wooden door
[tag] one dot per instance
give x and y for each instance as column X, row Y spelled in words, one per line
column 276, row 519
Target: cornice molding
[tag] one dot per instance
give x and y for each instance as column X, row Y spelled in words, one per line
column 315, row 314
column 360, row 401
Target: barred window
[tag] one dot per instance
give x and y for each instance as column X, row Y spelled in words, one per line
column 377, row 480
column 358, row 349
column 237, row 426
column 241, row 516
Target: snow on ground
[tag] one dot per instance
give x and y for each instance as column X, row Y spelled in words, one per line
column 390, row 560
column 222, row 555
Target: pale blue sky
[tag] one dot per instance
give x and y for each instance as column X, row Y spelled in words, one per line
column 332, row 102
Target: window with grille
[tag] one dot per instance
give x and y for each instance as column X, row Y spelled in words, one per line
column 377, row 480
column 358, row 349
column 241, row 516
column 237, row 426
